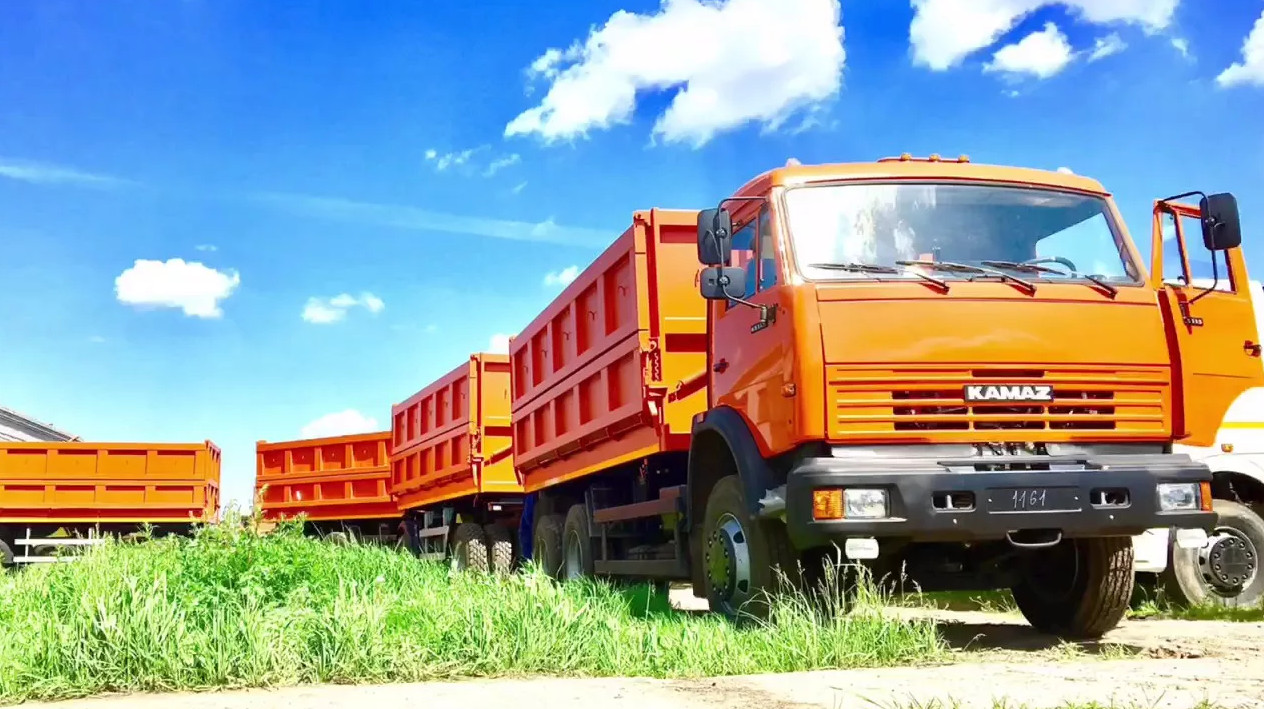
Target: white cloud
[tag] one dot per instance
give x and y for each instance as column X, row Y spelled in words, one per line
column 341, row 423
column 466, row 162
column 323, row 311
column 562, row 278
column 412, row 218
column 1105, row 46
column 206, row 247
column 518, row 188
column 944, row 32
column 499, row 344
column 1249, row 71
column 443, row 161
column 729, row 63
column 501, row 163
column 48, row 174
column 1181, row 45
column 191, row 286
column 1041, row 54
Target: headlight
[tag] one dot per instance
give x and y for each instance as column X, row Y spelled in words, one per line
column 864, row 504
column 1178, row 496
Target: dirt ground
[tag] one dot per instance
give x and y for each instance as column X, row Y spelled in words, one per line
column 1159, row 664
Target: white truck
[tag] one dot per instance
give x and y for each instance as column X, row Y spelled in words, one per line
column 1222, row 568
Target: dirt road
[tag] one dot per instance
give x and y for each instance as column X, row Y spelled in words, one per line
column 1152, row 664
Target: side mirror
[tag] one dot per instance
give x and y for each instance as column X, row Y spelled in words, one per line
column 715, row 236
column 722, row 282
column 1221, row 227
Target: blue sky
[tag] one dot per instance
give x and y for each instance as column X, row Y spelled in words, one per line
column 243, row 220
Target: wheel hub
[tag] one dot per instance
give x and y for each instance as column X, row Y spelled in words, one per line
column 727, row 559
column 1229, row 561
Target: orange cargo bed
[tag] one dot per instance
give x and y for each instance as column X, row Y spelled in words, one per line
column 78, row 483
column 328, row 479
column 614, row 369
column 452, row 439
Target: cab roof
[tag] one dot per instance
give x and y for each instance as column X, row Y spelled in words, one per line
column 907, row 167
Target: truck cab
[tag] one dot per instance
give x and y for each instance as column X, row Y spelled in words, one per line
column 960, row 374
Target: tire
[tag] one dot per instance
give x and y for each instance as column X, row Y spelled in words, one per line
column 547, row 544
column 338, row 538
column 740, row 554
column 1188, row 578
column 577, row 546
column 469, row 548
column 1079, row 588
column 6, row 554
column 500, row 545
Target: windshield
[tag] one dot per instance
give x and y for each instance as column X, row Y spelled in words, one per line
column 1040, row 233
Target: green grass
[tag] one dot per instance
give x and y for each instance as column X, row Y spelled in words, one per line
column 231, row 608
column 1006, row 704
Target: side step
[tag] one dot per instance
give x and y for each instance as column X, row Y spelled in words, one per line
column 61, row 542
column 670, row 501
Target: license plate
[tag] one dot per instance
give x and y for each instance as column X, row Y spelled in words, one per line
column 1033, row 499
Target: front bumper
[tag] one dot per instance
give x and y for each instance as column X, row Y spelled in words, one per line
column 1068, row 486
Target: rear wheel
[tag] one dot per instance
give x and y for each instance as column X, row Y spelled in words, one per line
column 739, row 553
column 1226, row 570
column 546, row 545
column 500, row 545
column 1079, row 588
column 577, row 546
column 469, row 548
column 6, row 554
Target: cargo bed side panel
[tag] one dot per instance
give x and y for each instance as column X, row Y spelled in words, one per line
column 328, row 479
column 109, row 482
column 451, row 437
column 609, row 372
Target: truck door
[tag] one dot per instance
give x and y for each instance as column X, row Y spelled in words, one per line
column 1210, row 321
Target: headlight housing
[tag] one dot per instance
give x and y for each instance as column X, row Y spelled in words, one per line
column 1175, row 497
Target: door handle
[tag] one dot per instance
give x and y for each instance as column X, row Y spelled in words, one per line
column 720, row 366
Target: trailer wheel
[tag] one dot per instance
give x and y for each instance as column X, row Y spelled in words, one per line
column 1225, row 571
column 469, row 548
column 500, row 544
column 546, row 544
column 739, row 553
column 1079, row 588
column 577, row 547
column 6, row 554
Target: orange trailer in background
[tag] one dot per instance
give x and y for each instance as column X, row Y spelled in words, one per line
column 341, row 484
column 452, row 470
column 54, row 494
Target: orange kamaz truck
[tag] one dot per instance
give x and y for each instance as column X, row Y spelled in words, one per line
column 339, row 484
column 452, row 471
column 963, row 373
column 64, row 495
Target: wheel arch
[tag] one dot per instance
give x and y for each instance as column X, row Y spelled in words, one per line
column 722, row 444
column 1238, row 479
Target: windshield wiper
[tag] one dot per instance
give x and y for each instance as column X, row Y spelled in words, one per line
column 965, row 268
column 875, row 268
column 1033, row 268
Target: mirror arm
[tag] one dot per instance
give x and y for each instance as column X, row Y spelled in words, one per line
column 1183, row 195
column 767, row 313
column 1215, row 280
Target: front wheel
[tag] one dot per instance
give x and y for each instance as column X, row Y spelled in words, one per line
column 1079, row 588
column 1226, row 570
column 740, row 555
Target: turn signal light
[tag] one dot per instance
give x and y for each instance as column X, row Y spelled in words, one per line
column 827, row 503
column 1204, row 489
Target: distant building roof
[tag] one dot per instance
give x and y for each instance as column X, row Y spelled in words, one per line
column 17, row 428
